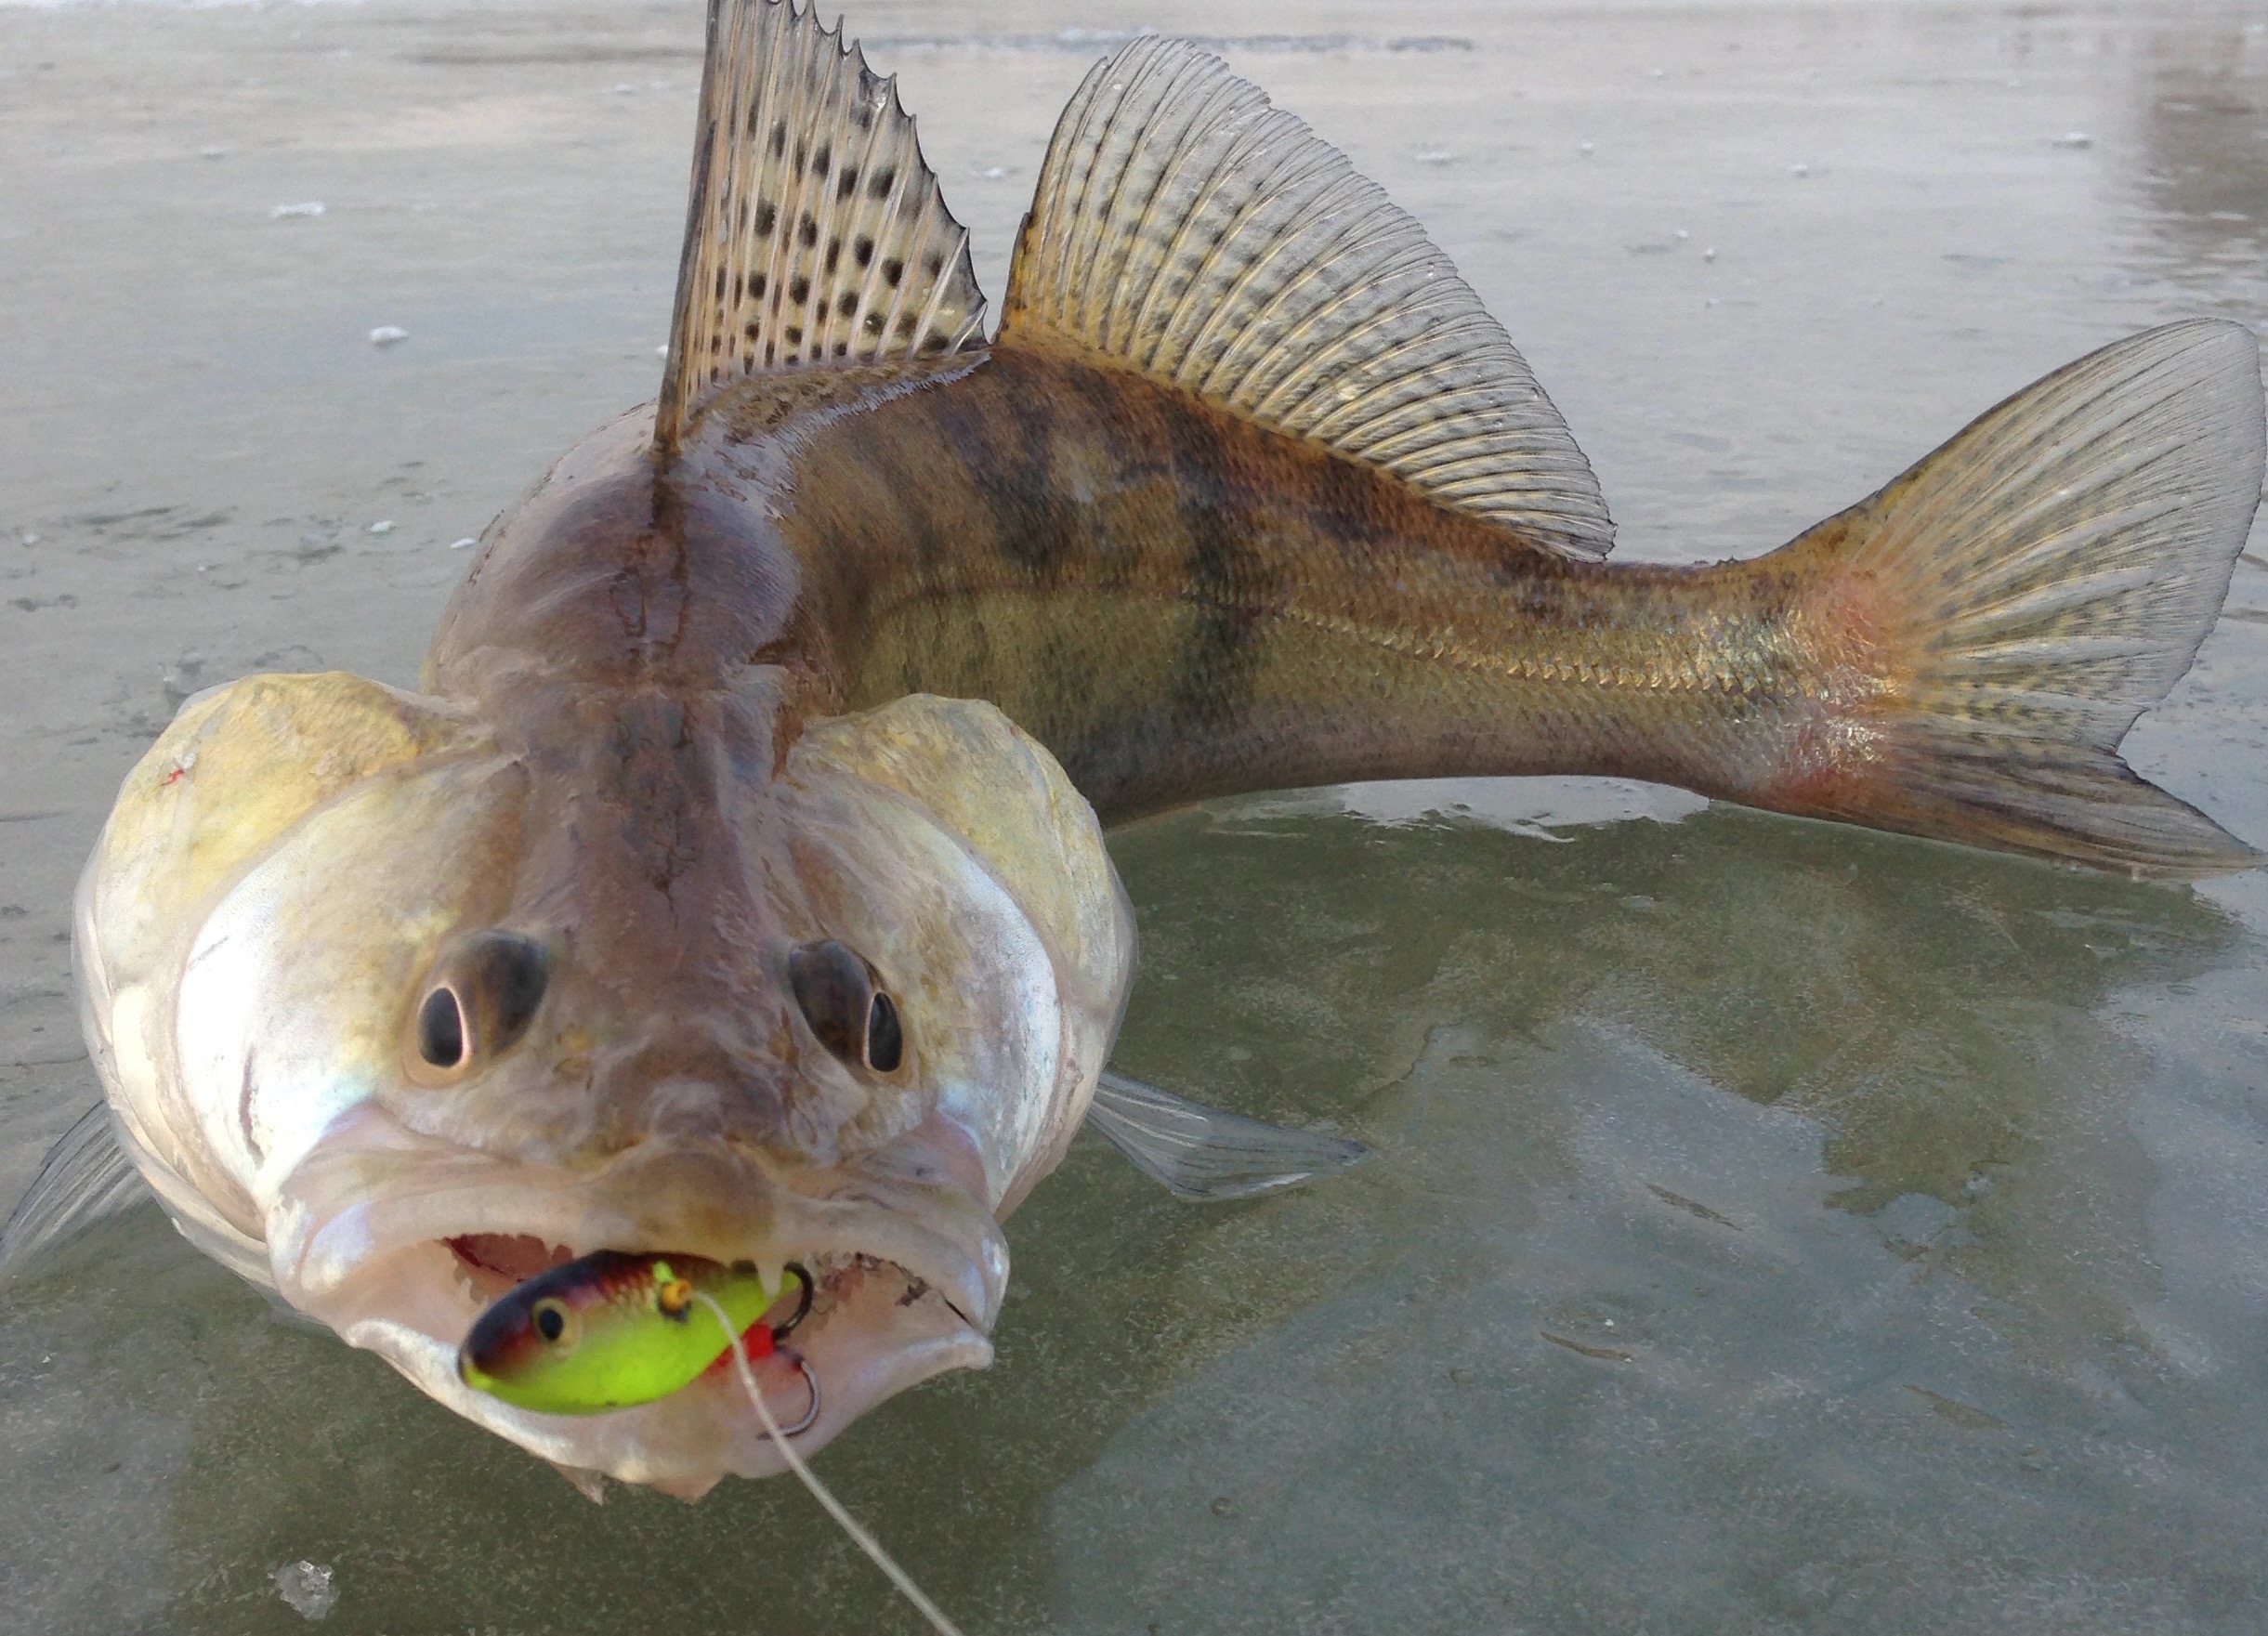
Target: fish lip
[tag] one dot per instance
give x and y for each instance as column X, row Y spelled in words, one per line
column 359, row 1238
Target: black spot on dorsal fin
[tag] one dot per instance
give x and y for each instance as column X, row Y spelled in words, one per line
column 816, row 230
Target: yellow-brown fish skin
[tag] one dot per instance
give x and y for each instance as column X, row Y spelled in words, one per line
column 1177, row 603
column 1182, row 604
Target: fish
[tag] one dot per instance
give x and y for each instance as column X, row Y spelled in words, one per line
column 733, row 885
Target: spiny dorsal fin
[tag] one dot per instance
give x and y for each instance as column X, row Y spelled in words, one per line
column 1187, row 229
column 815, row 232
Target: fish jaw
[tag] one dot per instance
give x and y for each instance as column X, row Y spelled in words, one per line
column 907, row 1264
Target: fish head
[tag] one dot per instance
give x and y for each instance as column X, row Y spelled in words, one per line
column 399, row 1009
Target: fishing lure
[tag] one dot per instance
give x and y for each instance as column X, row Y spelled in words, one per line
column 611, row 1331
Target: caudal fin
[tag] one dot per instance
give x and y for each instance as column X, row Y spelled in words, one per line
column 2029, row 589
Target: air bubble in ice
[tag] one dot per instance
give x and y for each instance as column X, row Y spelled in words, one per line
column 387, row 335
column 312, row 207
column 466, row 544
column 384, row 526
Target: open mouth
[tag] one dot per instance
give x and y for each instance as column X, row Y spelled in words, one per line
column 529, row 1347
column 400, row 1242
column 538, row 1291
column 494, row 1263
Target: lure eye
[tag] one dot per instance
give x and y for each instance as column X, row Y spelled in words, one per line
column 842, row 998
column 554, row 1321
column 480, row 997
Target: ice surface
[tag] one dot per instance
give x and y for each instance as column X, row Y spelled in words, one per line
column 1772, row 1229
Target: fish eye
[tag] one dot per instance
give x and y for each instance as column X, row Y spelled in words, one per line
column 886, row 1042
column 441, row 1029
column 554, row 1321
column 483, row 994
column 842, row 998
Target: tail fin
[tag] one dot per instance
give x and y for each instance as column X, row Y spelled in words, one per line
column 2032, row 587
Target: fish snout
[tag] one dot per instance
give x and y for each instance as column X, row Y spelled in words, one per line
column 696, row 1081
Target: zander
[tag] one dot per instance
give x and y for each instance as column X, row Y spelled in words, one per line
column 733, row 888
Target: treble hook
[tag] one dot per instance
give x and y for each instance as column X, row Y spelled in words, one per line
column 811, row 1415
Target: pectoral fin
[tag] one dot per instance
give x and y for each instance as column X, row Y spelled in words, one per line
column 1206, row 1154
column 86, row 1178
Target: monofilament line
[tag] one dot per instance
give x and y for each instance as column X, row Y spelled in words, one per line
column 859, row 1536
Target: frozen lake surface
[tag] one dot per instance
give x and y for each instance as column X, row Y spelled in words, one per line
column 1774, row 1227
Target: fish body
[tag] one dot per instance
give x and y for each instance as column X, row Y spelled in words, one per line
column 733, row 886
column 1179, row 603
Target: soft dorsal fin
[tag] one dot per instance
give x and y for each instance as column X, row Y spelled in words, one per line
column 1187, row 229
column 815, row 232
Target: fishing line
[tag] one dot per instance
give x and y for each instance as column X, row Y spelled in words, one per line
column 859, row 1536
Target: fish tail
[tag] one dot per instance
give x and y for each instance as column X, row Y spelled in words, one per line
column 1983, row 632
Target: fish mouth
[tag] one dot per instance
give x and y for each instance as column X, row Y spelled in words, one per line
column 399, row 1242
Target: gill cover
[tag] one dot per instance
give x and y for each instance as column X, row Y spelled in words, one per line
column 984, row 781
column 241, row 767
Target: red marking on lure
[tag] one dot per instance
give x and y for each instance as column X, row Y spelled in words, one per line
column 755, row 1341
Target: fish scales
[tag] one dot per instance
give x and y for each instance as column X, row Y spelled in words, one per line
column 1180, row 604
column 1177, row 603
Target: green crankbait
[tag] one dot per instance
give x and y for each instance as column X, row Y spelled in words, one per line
column 610, row 1330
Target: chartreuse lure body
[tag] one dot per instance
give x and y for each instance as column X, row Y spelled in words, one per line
column 610, row 1330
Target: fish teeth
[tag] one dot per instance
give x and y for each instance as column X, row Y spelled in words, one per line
column 773, row 1276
